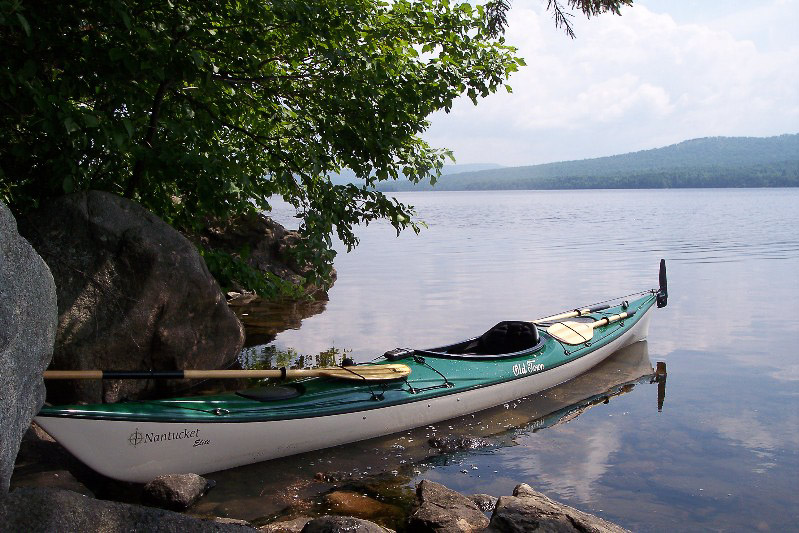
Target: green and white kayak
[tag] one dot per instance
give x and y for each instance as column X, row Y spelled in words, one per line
column 139, row 440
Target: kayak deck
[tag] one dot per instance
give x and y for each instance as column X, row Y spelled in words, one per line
column 434, row 373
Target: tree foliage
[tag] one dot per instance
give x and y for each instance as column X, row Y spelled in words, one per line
column 210, row 108
column 589, row 8
column 497, row 10
column 199, row 109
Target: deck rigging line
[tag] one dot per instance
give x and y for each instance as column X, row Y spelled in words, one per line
column 375, row 396
column 413, row 390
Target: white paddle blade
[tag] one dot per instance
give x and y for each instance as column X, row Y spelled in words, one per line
column 571, row 332
column 580, row 332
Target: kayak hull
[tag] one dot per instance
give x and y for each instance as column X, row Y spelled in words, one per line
column 140, row 450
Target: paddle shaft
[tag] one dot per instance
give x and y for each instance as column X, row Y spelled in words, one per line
column 161, row 374
column 611, row 318
column 570, row 314
column 356, row 372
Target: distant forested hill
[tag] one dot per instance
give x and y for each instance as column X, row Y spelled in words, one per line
column 706, row 162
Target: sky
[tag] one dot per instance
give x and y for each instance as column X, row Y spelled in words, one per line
column 663, row 72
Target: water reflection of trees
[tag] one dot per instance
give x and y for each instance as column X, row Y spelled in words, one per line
column 269, row 357
column 263, row 320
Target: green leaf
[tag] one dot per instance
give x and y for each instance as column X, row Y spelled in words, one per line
column 125, row 18
column 70, row 125
column 90, row 120
column 68, row 185
column 115, row 54
column 24, row 23
column 119, row 139
column 128, row 127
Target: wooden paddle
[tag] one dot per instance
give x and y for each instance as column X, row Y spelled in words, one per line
column 570, row 314
column 356, row 373
column 580, row 332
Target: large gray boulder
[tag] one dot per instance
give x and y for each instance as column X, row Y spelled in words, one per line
column 28, row 320
column 50, row 510
column 528, row 511
column 133, row 294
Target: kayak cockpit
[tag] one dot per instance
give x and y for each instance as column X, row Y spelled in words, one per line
column 510, row 338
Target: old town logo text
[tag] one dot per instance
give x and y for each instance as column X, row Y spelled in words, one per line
column 137, row 437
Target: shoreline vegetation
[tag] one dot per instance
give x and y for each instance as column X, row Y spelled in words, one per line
column 710, row 162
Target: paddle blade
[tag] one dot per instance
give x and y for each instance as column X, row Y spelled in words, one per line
column 366, row 373
column 663, row 291
column 571, row 332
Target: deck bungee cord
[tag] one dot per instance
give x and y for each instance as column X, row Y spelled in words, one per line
column 415, row 390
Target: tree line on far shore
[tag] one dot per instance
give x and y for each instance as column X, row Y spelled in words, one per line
column 699, row 163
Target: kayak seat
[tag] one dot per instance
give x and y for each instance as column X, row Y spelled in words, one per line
column 509, row 336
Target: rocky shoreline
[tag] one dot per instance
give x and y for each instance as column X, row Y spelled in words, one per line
column 116, row 280
column 53, row 499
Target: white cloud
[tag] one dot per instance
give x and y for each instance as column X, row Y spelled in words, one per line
column 642, row 80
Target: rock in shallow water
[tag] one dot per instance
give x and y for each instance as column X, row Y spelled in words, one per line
column 177, row 492
column 294, row 525
column 341, row 524
column 528, row 511
column 28, row 318
column 269, row 248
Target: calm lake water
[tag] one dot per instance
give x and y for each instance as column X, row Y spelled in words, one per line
column 723, row 454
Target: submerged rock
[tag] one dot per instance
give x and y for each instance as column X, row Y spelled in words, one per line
column 293, row 525
column 176, row 492
column 341, row 524
column 332, row 477
column 442, row 510
column 133, row 294
column 347, row 502
column 28, row 318
column 450, row 444
column 528, row 511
